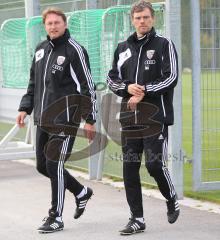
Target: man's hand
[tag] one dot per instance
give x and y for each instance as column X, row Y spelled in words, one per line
column 89, row 131
column 20, row 119
column 133, row 101
column 135, row 89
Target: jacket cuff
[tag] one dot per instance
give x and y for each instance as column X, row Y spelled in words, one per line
column 22, row 109
column 90, row 121
column 145, row 89
column 126, row 88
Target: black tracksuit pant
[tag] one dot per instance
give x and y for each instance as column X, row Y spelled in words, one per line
column 51, row 153
column 155, row 150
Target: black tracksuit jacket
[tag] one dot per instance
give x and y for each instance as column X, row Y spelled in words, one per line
column 152, row 63
column 61, row 89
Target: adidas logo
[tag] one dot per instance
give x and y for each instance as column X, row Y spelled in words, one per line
column 54, row 225
column 177, row 206
column 82, row 204
column 61, row 134
column 161, row 137
column 135, row 226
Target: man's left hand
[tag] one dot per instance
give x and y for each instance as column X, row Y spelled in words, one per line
column 133, row 101
column 89, row 131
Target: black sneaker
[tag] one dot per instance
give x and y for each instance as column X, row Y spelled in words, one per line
column 173, row 210
column 81, row 203
column 50, row 225
column 133, row 226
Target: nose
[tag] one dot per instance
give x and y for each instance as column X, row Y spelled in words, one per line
column 53, row 25
column 142, row 20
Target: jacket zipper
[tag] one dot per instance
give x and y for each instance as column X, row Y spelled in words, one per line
column 67, row 109
column 45, row 74
column 135, row 112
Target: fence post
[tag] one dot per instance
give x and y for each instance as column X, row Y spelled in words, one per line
column 95, row 150
column 173, row 30
column 196, row 98
column 91, row 4
column 32, row 8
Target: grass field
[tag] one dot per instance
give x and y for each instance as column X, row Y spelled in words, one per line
column 211, row 138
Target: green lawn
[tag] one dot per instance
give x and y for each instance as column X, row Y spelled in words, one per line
column 210, row 138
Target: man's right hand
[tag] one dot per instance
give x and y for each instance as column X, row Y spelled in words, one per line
column 133, row 101
column 135, row 89
column 20, row 119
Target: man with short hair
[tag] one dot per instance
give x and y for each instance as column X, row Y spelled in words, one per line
column 60, row 91
column 144, row 73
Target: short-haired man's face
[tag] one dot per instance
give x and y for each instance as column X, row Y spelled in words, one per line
column 143, row 21
column 54, row 25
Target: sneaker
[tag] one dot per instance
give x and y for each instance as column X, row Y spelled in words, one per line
column 50, row 225
column 173, row 210
column 133, row 226
column 81, row 203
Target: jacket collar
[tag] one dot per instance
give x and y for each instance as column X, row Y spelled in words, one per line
column 60, row 40
column 133, row 38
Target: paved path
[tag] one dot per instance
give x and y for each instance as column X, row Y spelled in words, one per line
column 24, row 201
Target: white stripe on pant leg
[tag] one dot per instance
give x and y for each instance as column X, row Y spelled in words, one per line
column 173, row 192
column 164, row 164
column 64, row 151
column 59, row 193
column 60, row 184
column 62, row 174
column 168, row 174
column 62, row 169
column 165, row 170
column 61, row 177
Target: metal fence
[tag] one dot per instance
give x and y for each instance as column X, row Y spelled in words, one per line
column 206, row 97
column 12, row 9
